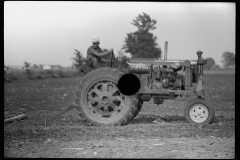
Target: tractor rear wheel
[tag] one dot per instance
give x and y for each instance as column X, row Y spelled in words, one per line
column 138, row 107
column 99, row 101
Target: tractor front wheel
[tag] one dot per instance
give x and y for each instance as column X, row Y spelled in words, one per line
column 197, row 111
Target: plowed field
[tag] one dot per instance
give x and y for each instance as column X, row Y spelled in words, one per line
column 68, row 137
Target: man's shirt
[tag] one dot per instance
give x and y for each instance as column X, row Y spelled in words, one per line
column 90, row 52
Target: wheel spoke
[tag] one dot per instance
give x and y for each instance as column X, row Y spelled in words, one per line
column 89, row 104
column 117, row 107
column 105, row 108
column 97, row 92
column 116, row 110
column 113, row 106
column 95, row 110
column 104, row 87
column 112, row 89
column 105, row 112
column 120, row 107
column 93, row 99
column 117, row 98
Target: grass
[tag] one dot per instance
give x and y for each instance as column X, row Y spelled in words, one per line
column 219, row 72
column 20, row 74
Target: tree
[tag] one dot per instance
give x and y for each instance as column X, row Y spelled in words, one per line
column 142, row 43
column 228, row 59
column 27, row 67
column 210, row 63
column 35, row 66
column 217, row 67
column 120, row 54
column 78, row 59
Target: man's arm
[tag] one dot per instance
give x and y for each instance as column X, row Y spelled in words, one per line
column 102, row 53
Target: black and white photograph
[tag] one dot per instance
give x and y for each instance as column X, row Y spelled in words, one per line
column 119, row 79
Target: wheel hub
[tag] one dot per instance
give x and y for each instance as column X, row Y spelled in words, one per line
column 199, row 113
column 105, row 100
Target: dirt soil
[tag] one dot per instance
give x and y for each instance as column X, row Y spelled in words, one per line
column 39, row 136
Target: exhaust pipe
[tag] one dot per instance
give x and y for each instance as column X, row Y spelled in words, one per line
column 165, row 50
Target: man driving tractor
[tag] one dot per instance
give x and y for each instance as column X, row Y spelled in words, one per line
column 94, row 53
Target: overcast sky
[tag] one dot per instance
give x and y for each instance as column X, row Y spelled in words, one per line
column 44, row 32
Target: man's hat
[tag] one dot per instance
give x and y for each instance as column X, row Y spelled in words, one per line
column 95, row 39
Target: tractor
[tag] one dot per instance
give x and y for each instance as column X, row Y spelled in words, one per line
column 113, row 94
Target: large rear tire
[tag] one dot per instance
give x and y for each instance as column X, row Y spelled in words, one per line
column 138, row 107
column 99, row 101
column 197, row 111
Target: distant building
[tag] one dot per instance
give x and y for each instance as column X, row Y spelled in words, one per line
column 46, row 67
column 26, row 68
column 221, row 67
column 232, row 67
column 56, row 67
